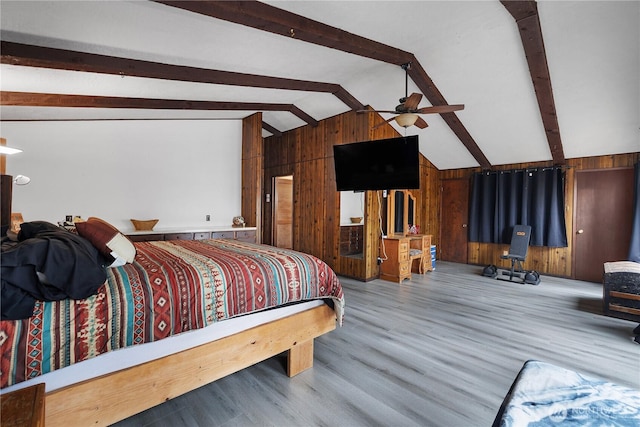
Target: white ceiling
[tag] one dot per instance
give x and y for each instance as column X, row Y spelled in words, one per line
column 471, row 50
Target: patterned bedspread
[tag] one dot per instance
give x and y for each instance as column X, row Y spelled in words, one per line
column 171, row 287
column 547, row 395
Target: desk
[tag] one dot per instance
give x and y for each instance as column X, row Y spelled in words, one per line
column 405, row 254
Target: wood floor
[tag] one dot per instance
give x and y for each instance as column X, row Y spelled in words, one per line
column 440, row 350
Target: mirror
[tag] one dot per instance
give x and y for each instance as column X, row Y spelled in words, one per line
column 401, row 211
column 411, row 209
column 398, row 222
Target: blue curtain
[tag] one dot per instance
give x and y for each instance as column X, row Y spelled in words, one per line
column 500, row 200
column 634, row 248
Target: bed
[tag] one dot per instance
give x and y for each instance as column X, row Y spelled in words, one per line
column 547, row 395
column 621, row 290
column 180, row 315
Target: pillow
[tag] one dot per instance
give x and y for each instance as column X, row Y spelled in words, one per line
column 107, row 239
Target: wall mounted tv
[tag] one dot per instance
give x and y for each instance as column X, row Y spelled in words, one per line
column 385, row 164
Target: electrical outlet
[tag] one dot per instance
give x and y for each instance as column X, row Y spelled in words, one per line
column 208, row 218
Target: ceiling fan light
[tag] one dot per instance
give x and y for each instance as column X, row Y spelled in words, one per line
column 407, row 119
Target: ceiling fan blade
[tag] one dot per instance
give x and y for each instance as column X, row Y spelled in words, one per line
column 440, row 109
column 421, row 123
column 378, row 111
column 411, row 103
column 383, row 123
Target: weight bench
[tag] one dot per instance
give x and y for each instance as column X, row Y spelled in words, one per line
column 517, row 253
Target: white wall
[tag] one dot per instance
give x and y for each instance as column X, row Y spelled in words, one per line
column 175, row 170
column 351, row 205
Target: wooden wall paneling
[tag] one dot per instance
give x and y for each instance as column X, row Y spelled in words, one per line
column 309, row 143
column 252, row 171
column 252, row 145
column 348, row 128
column 299, row 213
column 465, row 173
column 6, row 193
column 560, row 259
column 279, row 150
column 331, row 243
column 373, row 199
column 309, row 201
column 356, row 127
column 308, row 151
column 552, row 261
column 429, row 200
column 333, row 133
column 373, row 206
column 267, row 207
column 603, row 162
column 252, row 190
column 340, row 130
column 3, row 158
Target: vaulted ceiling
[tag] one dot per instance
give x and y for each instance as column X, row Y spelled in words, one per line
column 540, row 81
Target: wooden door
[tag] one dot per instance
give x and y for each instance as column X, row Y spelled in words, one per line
column 603, row 216
column 454, row 214
column 283, row 211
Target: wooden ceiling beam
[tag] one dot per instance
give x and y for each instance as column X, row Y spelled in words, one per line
column 266, row 126
column 268, row 18
column 526, row 16
column 60, row 59
column 33, row 99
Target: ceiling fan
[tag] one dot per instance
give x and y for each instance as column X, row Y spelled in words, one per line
column 408, row 112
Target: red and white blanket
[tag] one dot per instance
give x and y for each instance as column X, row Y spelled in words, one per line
column 171, row 287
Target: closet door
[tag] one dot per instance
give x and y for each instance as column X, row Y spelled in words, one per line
column 454, row 216
column 602, row 225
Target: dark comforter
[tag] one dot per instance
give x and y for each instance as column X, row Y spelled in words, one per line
column 48, row 264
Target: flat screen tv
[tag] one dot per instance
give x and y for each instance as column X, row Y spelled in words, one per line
column 385, row 164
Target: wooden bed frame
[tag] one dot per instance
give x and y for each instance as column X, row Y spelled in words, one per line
column 113, row 397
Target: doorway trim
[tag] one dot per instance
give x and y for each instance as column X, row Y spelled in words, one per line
column 282, row 211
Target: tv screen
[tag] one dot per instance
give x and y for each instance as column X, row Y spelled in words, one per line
column 385, row 164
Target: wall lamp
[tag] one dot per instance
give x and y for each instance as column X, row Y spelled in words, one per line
column 8, row 150
column 21, row 180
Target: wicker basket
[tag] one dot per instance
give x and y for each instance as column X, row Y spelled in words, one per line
column 144, row 225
